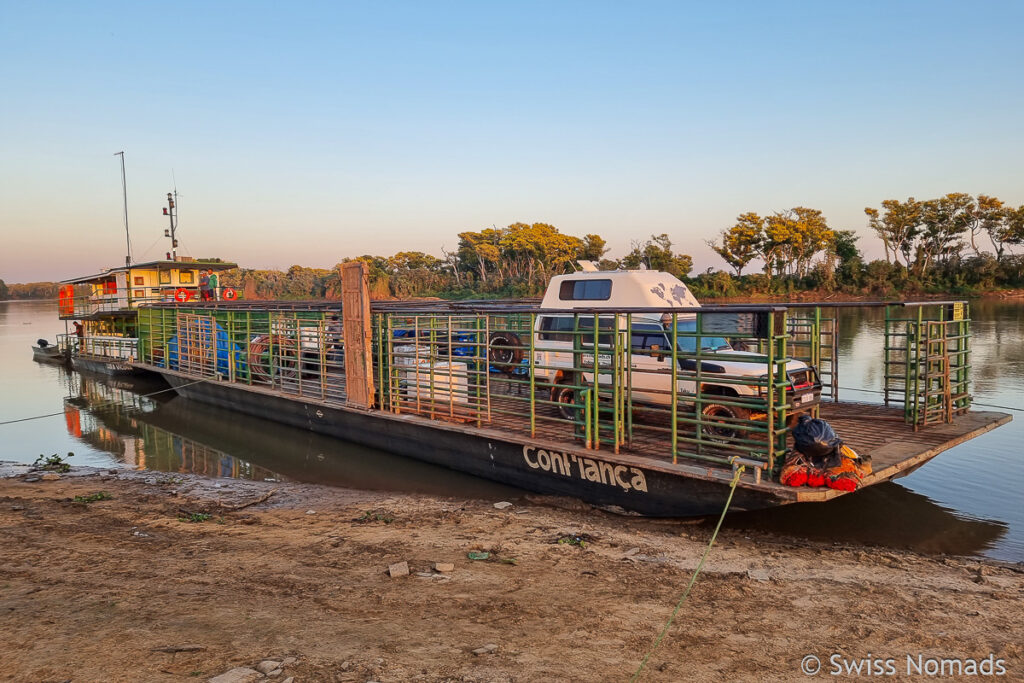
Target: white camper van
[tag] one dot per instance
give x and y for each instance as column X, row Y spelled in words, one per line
column 649, row 345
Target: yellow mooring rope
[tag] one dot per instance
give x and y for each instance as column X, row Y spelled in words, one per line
column 693, row 579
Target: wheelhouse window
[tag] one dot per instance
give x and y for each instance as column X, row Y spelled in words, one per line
column 585, row 290
column 186, row 277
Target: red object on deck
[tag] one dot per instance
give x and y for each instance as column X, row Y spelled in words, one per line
column 66, row 300
column 182, row 295
column 229, row 294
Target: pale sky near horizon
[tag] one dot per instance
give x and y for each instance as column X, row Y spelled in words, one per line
column 301, row 133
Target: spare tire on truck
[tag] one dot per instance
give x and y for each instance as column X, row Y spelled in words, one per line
column 504, row 350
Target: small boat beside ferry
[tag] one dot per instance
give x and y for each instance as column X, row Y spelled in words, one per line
column 45, row 352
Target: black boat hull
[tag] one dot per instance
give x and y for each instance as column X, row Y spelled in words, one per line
column 550, row 470
column 105, row 366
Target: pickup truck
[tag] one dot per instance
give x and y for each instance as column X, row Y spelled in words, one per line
column 649, row 348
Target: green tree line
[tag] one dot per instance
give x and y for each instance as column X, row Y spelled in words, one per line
column 28, row 290
column 957, row 243
column 517, row 260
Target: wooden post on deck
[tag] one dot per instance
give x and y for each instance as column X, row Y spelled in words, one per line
column 355, row 311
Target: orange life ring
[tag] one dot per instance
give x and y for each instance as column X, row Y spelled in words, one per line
column 229, row 294
column 182, row 295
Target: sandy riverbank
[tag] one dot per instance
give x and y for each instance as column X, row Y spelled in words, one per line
column 89, row 590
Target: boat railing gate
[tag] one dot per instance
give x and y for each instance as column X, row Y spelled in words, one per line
column 67, row 343
column 295, row 350
column 927, row 360
column 107, row 346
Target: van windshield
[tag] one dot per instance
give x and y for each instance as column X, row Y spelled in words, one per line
column 689, row 344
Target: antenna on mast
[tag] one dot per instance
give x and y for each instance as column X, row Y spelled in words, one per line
column 171, row 212
column 124, row 192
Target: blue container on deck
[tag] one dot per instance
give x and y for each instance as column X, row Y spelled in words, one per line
column 224, row 350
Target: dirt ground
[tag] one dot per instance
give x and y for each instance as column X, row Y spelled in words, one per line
column 90, row 591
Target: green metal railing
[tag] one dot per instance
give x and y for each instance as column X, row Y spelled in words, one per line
column 927, row 360
column 714, row 385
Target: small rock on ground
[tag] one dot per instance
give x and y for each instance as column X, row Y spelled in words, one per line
column 50, row 476
column 503, row 505
column 398, row 569
column 486, row 649
column 268, row 665
column 444, row 567
column 242, row 674
column 758, row 575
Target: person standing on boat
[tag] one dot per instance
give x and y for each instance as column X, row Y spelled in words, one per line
column 80, row 334
column 204, row 285
column 214, row 286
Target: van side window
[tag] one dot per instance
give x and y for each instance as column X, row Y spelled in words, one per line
column 586, row 325
column 556, row 328
column 585, row 290
column 646, row 337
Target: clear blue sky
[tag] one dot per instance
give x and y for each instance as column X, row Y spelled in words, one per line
column 303, row 133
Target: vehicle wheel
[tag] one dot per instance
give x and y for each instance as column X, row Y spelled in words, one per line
column 565, row 396
column 719, row 421
column 504, row 350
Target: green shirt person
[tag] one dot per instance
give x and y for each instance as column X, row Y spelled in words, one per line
column 214, row 286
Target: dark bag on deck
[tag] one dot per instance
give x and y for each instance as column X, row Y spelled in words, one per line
column 815, row 438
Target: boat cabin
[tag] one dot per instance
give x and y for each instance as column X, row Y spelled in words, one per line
column 123, row 289
column 105, row 308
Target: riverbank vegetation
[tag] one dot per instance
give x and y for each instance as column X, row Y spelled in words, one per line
column 28, row 290
column 956, row 244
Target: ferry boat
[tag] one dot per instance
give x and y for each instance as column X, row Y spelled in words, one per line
column 103, row 309
column 618, row 388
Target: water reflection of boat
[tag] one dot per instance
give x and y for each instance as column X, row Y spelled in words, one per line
column 887, row 515
column 172, row 434
column 110, row 414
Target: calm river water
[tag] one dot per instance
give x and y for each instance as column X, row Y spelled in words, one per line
column 967, row 501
